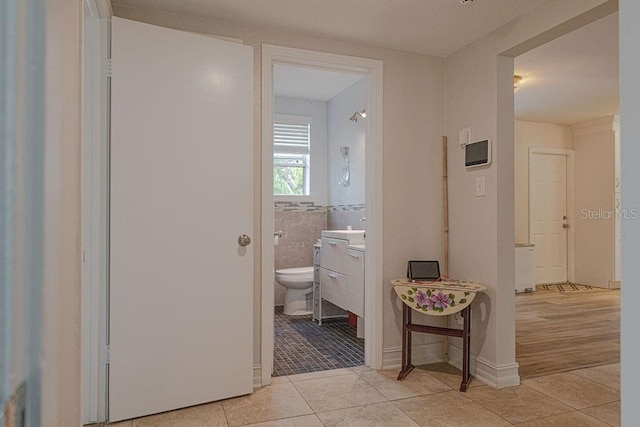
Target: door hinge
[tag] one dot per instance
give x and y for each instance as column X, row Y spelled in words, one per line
column 108, row 354
column 109, row 69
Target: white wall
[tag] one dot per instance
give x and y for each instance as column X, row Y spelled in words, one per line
column 343, row 132
column 630, row 131
column 413, row 126
column 532, row 134
column 479, row 93
column 317, row 110
column 594, row 148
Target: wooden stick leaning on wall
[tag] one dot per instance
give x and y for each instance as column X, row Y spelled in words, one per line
column 445, row 196
column 445, row 204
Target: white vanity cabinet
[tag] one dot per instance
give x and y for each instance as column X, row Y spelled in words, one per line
column 341, row 272
column 355, row 281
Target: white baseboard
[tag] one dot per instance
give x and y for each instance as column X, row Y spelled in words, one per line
column 497, row 376
column 257, row 376
column 420, row 355
column 485, row 371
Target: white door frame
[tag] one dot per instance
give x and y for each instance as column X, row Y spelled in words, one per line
column 372, row 70
column 94, row 211
column 571, row 238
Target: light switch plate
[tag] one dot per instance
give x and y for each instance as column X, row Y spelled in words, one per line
column 464, row 136
column 480, row 187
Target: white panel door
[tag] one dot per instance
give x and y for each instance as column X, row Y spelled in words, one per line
column 181, row 193
column 548, row 216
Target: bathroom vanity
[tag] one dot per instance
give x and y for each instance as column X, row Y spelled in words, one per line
column 339, row 278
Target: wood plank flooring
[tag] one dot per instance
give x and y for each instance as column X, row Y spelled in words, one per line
column 559, row 332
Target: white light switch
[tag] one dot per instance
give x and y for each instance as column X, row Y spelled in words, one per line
column 480, row 190
column 464, row 136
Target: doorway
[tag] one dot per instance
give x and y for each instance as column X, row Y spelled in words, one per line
column 319, row 145
column 371, row 72
column 566, row 143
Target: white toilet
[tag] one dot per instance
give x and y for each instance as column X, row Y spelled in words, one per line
column 299, row 283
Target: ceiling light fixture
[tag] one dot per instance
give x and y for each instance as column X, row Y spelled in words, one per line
column 355, row 116
column 516, row 81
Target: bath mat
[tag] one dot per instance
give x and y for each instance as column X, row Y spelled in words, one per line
column 565, row 287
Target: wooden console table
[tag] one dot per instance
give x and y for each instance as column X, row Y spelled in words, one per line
column 440, row 298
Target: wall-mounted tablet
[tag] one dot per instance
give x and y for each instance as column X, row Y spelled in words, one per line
column 477, row 153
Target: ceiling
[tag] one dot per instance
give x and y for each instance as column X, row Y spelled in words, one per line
column 572, row 79
column 569, row 80
column 294, row 82
column 434, row 27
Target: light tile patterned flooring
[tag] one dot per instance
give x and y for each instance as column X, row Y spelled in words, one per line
column 427, row 397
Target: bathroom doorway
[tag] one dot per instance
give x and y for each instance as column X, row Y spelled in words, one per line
column 319, row 146
column 321, row 152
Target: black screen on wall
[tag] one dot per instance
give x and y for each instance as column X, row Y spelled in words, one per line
column 476, row 153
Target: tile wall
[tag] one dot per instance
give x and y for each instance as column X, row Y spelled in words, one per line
column 301, row 224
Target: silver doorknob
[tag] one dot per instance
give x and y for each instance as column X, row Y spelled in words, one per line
column 565, row 225
column 244, row 240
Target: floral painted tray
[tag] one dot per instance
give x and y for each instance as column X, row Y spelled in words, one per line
column 440, row 298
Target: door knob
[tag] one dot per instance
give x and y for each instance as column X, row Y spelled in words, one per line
column 244, row 240
column 565, row 225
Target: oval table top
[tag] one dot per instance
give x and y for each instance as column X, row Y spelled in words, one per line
column 439, row 298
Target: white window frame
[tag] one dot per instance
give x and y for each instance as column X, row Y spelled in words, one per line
column 290, row 119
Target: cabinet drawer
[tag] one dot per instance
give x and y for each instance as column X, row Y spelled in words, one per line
column 334, row 287
column 333, row 254
column 355, row 282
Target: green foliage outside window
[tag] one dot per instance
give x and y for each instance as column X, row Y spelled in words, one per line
column 288, row 180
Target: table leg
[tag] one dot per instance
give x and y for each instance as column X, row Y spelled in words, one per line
column 406, row 343
column 466, row 350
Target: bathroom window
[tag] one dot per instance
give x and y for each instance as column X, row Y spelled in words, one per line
column 291, row 155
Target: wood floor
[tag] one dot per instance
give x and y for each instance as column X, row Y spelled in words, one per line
column 559, row 332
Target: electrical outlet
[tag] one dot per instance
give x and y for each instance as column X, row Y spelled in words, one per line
column 480, row 186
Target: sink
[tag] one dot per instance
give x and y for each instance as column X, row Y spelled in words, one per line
column 355, row 237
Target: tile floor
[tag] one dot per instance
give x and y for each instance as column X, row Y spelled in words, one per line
column 301, row 345
column 428, row 397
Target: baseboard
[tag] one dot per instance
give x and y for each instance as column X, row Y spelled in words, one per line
column 485, row 371
column 257, row 376
column 420, row 355
column 497, row 376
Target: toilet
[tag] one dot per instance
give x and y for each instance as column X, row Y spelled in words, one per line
column 298, row 282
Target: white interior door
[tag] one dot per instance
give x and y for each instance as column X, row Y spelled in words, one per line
column 548, row 216
column 181, row 320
